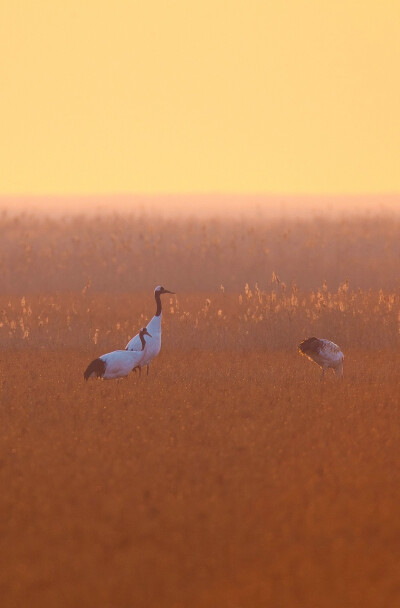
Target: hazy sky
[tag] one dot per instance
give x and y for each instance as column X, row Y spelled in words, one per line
column 290, row 96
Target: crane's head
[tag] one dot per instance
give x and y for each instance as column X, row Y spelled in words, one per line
column 160, row 290
column 144, row 332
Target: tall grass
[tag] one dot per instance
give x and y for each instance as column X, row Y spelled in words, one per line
column 136, row 253
column 272, row 319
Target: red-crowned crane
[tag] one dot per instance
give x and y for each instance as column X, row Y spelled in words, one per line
column 153, row 345
column 119, row 363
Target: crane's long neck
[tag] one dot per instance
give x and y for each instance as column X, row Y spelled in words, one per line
column 158, row 302
column 143, row 341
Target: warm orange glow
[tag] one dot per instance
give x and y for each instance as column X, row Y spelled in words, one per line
column 294, row 97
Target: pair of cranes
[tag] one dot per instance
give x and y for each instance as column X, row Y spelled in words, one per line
column 140, row 351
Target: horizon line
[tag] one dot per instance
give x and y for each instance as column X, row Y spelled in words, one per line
column 205, row 193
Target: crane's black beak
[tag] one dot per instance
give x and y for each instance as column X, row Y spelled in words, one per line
column 146, row 333
column 166, row 291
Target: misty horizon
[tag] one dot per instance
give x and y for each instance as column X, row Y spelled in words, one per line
column 202, row 205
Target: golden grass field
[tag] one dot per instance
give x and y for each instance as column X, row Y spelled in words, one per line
column 230, row 476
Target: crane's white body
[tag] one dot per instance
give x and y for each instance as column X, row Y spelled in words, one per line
column 153, row 344
column 118, row 363
column 324, row 353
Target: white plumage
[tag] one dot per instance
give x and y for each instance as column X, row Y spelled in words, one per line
column 153, row 345
column 324, row 353
column 118, row 363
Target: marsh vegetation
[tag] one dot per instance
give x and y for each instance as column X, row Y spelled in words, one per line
column 230, row 476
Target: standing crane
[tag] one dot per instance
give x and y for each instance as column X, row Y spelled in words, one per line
column 154, row 326
column 119, row 363
column 324, row 353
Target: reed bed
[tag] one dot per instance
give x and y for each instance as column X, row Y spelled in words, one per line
column 230, row 476
column 133, row 253
column 272, row 319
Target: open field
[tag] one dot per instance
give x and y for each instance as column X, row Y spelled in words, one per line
column 221, row 479
column 230, row 476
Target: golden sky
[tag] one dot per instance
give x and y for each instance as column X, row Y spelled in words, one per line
column 251, row 96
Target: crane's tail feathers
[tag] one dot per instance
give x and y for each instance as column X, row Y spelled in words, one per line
column 96, row 367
